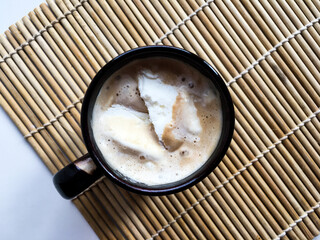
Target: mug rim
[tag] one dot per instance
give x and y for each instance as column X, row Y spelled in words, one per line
column 158, row 51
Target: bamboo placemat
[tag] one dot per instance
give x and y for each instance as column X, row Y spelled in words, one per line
column 268, row 184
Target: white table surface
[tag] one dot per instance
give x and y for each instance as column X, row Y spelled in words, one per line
column 30, row 207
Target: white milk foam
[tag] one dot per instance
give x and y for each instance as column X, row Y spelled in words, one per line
column 157, row 120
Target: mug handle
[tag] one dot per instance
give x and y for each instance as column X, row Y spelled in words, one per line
column 76, row 177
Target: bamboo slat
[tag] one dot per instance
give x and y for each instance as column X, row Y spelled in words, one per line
column 268, row 184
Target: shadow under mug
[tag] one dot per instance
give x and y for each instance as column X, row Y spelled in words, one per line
column 81, row 174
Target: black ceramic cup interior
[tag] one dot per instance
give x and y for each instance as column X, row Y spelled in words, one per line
column 81, row 174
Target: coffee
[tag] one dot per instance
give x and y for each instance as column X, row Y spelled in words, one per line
column 157, row 120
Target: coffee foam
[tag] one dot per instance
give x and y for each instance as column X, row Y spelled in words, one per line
column 116, row 124
column 157, row 120
column 159, row 105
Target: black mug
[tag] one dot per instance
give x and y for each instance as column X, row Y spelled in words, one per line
column 81, row 174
